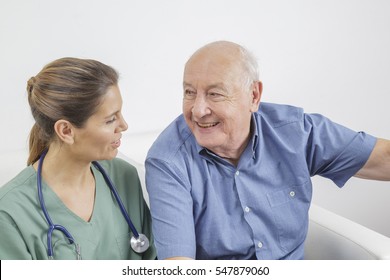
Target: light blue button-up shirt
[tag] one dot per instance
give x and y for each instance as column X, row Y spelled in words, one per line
column 204, row 207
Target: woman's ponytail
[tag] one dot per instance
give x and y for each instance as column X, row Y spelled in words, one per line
column 36, row 144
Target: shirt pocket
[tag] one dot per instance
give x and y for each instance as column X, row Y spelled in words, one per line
column 289, row 208
column 123, row 243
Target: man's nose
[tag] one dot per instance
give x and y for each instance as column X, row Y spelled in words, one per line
column 201, row 106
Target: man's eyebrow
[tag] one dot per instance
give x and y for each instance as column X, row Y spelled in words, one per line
column 185, row 84
column 217, row 85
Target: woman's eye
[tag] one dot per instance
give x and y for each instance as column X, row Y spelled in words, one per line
column 111, row 121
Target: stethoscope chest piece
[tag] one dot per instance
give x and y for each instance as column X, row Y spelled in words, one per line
column 140, row 244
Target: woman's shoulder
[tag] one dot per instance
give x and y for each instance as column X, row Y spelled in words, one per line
column 120, row 170
column 124, row 175
column 117, row 164
column 22, row 185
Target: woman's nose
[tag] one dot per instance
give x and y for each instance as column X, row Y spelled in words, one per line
column 122, row 124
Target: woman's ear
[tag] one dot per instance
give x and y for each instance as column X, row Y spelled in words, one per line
column 257, row 89
column 65, row 131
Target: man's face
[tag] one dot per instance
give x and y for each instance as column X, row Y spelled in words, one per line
column 216, row 105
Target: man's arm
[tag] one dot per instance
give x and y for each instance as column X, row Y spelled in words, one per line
column 172, row 210
column 377, row 166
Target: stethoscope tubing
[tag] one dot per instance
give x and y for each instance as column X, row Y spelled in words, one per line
column 52, row 226
column 117, row 197
column 61, row 228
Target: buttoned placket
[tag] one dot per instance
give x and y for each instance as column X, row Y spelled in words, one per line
column 247, row 211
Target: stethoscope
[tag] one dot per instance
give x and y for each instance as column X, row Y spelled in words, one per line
column 138, row 242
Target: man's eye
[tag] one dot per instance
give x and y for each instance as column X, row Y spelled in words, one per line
column 189, row 93
column 216, row 96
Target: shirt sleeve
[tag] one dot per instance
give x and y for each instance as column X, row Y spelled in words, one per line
column 171, row 208
column 334, row 151
column 12, row 245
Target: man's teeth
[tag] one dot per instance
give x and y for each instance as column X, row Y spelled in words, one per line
column 207, row 125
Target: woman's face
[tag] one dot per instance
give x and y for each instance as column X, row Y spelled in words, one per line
column 99, row 139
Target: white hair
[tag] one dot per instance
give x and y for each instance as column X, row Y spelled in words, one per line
column 250, row 65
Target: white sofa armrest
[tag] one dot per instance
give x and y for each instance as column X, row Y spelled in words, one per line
column 333, row 237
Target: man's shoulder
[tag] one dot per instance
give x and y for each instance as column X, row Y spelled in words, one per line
column 170, row 140
column 279, row 114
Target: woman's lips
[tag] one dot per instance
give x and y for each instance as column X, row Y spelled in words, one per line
column 117, row 143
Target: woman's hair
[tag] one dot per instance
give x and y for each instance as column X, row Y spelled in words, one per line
column 70, row 89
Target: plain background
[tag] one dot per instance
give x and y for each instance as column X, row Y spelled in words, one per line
column 329, row 57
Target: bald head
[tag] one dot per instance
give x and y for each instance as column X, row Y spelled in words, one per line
column 219, row 48
column 227, row 54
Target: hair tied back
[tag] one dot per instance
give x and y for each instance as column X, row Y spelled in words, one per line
column 30, row 85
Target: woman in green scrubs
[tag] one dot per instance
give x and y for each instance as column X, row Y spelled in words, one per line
column 77, row 107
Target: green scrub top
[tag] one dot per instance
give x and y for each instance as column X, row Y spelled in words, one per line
column 23, row 227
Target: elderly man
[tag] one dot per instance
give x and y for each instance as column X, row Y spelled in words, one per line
column 230, row 177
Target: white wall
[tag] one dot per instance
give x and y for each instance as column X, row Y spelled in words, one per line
column 330, row 57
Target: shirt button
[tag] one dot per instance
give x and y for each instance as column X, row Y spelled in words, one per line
column 247, row 209
column 292, row 193
column 260, row 245
column 237, row 173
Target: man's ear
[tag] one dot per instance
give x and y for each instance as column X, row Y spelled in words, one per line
column 257, row 89
column 65, row 131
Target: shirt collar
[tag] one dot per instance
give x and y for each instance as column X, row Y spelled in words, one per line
column 254, row 140
column 255, row 133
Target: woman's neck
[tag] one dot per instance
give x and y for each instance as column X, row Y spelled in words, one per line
column 71, row 179
column 59, row 166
